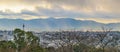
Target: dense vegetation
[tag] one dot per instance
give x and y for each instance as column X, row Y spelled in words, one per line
column 23, row 42
column 27, row 42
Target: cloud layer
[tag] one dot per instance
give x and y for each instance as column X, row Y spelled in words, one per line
column 104, row 11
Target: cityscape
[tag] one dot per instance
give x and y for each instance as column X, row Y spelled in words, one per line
column 59, row 26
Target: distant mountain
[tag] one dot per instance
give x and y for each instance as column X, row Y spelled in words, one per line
column 51, row 24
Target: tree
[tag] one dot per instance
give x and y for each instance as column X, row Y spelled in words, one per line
column 104, row 38
column 26, row 41
column 81, row 48
column 19, row 39
column 7, row 46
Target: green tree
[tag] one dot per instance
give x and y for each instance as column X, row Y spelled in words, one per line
column 7, row 46
column 81, row 48
column 26, row 41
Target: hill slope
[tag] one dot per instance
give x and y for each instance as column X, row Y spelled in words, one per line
column 53, row 24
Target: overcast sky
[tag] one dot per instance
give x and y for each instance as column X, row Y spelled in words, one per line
column 104, row 11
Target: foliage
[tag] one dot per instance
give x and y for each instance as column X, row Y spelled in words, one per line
column 7, row 46
column 71, row 42
column 23, row 42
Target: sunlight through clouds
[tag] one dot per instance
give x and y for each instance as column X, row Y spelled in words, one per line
column 33, row 9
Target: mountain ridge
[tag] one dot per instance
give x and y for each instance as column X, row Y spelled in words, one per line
column 51, row 24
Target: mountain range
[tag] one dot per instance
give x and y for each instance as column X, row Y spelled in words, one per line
column 51, row 24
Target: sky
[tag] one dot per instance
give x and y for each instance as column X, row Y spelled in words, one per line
column 103, row 11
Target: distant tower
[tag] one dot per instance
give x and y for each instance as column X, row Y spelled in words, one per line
column 23, row 27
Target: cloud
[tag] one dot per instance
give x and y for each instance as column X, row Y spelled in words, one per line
column 95, row 5
column 42, row 12
column 99, row 10
column 100, row 20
